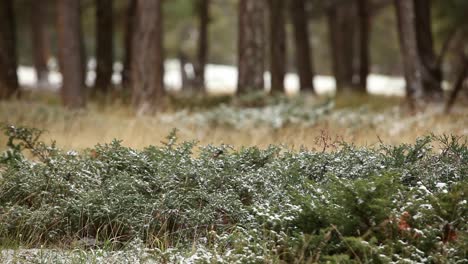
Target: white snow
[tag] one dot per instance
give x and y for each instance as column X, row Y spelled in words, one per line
column 219, row 79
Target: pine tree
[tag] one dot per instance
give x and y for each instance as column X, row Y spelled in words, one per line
column 303, row 49
column 277, row 44
column 70, row 53
column 147, row 64
column 40, row 40
column 104, row 45
column 251, row 42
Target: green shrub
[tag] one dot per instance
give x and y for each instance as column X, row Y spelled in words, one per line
column 381, row 204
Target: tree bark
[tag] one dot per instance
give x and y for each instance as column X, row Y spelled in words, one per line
column 202, row 52
column 277, row 44
column 251, row 42
column 83, row 54
column 147, row 67
column 70, row 53
column 431, row 72
column 8, row 61
column 332, row 23
column 342, row 29
column 126, row 72
column 104, row 45
column 364, row 41
column 409, row 49
column 40, row 44
column 302, row 46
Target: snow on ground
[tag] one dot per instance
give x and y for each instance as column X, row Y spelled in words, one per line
column 219, row 79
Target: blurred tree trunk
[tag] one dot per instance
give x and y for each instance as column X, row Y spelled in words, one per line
column 8, row 60
column 251, row 37
column 104, row 45
column 277, row 44
column 83, row 54
column 70, row 53
column 459, row 82
column 40, row 38
column 431, row 72
column 130, row 18
column 186, row 82
column 364, row 41
column 342, row 29
column 147, row 66
column 302, row 45
column 405, row 11
column 187, row 73
column 202, row 52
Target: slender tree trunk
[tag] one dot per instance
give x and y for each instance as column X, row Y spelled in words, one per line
column 342, row 29
column 251, row 37
column 348, row 28
column 332, row 20
column 187, row 77
column 202, row 52
column 126, row 72
column 83, row 54
column 277, row 44
column 186, row 82
column 458, row 86
column 302, row 45
column 431, row 72
column 104, row 45
column 364, row 41
column 70, row 53
column 409, row 50
column 40, row 42
column 147, row 65
column 8, row 60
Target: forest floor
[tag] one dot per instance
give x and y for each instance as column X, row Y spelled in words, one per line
column 355, row 179
column 254, row 120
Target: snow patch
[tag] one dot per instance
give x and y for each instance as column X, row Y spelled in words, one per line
column 219, row 79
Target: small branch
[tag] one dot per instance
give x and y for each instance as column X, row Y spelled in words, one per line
column 446, row 45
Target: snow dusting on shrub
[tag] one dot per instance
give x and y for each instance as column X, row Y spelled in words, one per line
column 181, row 203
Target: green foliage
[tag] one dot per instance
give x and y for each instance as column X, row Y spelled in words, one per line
column 252, row 110
column 352, row 205
column 449, row 15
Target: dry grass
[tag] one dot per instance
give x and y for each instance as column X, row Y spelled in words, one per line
column 100, row 124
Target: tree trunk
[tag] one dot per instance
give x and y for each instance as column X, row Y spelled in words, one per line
column 251, row 37
column 70, row 53
column 332, row 22
column 342, row 27
column 431, row 72
column 147, row 56
column 40, row 44
column 458, row 86
column 302, row 46
column 104, row 45
column 186, row 82
column 409, row 50
column 8, row 60
column 364, row 41
column 126, row 72
column 202, row 53
column 277, row 44
column 83, row 54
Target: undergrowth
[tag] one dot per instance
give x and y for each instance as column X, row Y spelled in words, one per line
column 184, row 203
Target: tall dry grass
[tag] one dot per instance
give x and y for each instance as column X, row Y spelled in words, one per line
column 385, row 120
